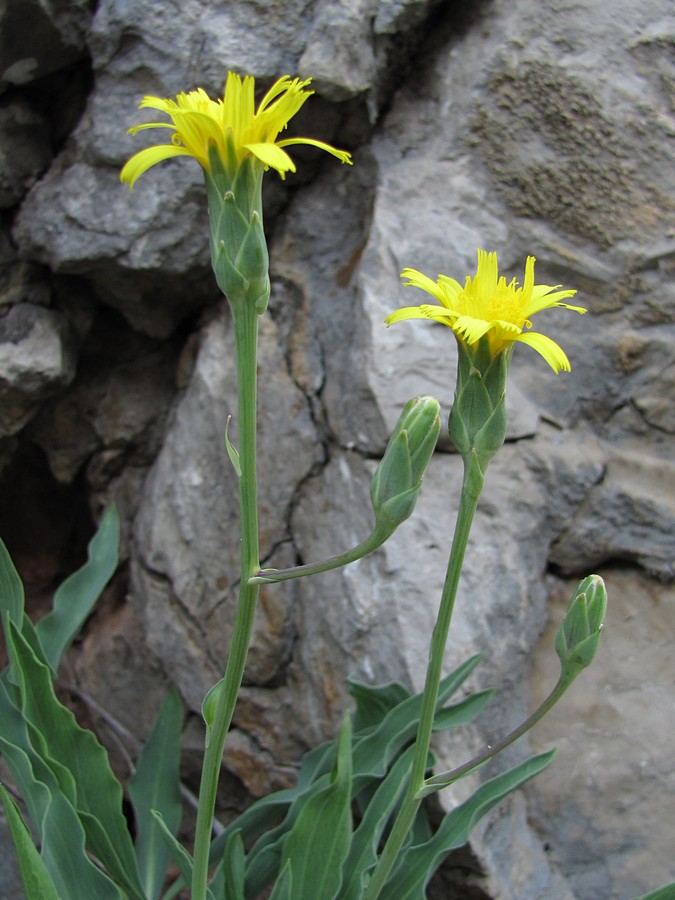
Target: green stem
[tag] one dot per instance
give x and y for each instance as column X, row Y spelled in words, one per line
column 246, row 337
column 406, row 815
column 443, row 779
column 371, row 543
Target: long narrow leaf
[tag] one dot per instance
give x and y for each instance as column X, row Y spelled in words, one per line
column 37, row 882
column 374, row 701
column 319, row 840
column 11, row 589
column 65, row 856
column 75, row 598
column 667, row 892
column 179, row 854
column 12, row 608
column 464, row 712
column 416, row 865
column 59, row 830
column 65, row 747
column 374, row 753
column 156, row 785
column 365, row 840
column 283, row 887
column 233, row 870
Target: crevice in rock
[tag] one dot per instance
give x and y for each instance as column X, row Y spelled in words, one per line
column 45, row 525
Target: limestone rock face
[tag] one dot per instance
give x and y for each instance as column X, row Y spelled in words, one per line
column 529, row 127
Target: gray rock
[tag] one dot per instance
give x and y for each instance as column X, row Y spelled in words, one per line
column 54, row 39
column 36, row 360
column 529, row 128
column 611, row 775
column 25, row 150
column 187, row 530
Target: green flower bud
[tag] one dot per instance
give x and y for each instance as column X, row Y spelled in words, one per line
column 398, row 478
column 579, row 633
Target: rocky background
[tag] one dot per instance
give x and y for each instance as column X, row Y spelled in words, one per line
column 539, row 127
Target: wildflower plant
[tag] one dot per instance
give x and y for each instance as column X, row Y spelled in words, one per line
column 354, row 826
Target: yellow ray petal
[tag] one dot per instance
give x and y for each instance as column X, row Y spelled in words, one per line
column 552, row 352
column 143, row 160
column 342, row 155
column 419, row 280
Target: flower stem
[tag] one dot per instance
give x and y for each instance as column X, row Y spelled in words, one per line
column 443, row 779
column 406, row 815
column 371, row 543
column 245, row 320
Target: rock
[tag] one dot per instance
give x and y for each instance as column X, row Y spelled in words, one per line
column 618, row 519
column 187, row 531
column 56, row 38
column 612, row 773
column 36, row 359
column 25, row 150
column 528, row 128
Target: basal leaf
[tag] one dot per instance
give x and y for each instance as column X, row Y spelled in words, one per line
column 319, row 840
column 37, row 882
column 155, row 785
column 77, row 595
column 366, row 838
column 67, row 748
column 416, row 864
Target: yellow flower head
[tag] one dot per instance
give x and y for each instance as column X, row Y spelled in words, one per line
column 231, row 126
column 488, row 306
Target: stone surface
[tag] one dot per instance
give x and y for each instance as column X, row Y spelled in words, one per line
column 25, row 150
column 612, row 765
column 36, row 359
column 40, row 37
column 539, row 128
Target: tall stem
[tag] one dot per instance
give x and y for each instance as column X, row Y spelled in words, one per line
column 245, row 320
column 406, row 815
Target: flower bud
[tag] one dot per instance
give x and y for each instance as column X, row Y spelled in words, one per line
column 398, row 478
column 579, row 633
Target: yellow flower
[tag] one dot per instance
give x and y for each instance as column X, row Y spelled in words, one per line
column 488, row 306
column 231, row 126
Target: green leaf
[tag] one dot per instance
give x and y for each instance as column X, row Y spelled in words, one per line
column 37, row 882
column 373, row 753
column 283, row 887
column 155, row 785
column 319, row 840
column 366, row 838
column 257, row 821
column 374, row 701
column 79, row 763
column 210, row 704
column 77, row 595
column 233, row 868
column 416, row 864
column 60, row 831
column 667, row 892
column 11, row 589
column 464, row 712
column 179, row 854
column 232, row 451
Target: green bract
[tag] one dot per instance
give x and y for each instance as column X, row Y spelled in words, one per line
column 579, row 633
column 398, row 478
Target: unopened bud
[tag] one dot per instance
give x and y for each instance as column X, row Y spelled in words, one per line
column 579, row 633
column 398, row 478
